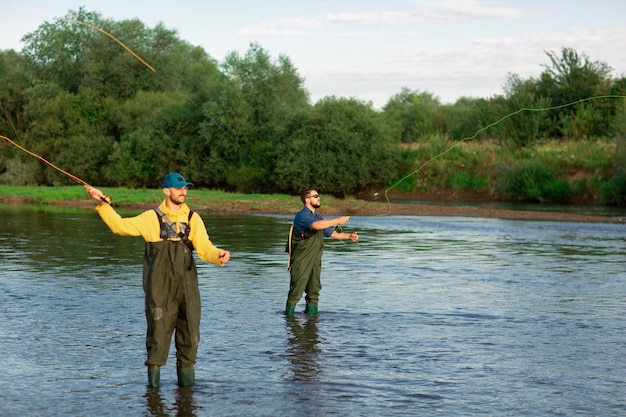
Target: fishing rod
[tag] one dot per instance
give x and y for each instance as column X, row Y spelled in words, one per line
column 104, row 197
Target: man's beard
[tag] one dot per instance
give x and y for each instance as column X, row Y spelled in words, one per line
column 317, row 205
column 178, row 201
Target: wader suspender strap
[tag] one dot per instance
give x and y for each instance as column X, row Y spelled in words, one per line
column 184, row 236
column 289, row 246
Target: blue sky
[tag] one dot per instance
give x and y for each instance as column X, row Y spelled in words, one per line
column 370, row 50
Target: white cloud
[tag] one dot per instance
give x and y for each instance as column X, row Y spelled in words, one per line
column 284, row 27
column 448, row 11
column 475, row 67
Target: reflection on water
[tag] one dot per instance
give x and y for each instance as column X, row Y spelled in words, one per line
column 303, row 347
column 424, row 316
column 183, row 406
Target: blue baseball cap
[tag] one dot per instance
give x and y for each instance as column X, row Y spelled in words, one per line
column 175, row 180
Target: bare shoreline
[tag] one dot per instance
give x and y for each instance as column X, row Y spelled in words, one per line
column 337, row 207
column 363, row 208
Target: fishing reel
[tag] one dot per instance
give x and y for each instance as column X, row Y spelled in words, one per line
column 106, row 199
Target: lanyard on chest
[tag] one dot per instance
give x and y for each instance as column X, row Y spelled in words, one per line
column 169, row 231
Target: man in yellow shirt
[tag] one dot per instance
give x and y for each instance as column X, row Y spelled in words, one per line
column 170, row 278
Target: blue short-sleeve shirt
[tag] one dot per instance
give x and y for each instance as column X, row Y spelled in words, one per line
column 305, row 218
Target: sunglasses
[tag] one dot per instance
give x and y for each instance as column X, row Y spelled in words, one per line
column 314, row 196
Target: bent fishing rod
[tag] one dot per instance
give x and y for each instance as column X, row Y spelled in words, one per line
column 104, row 198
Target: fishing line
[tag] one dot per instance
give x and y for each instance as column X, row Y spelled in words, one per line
column 104, row 198
column 523, row 109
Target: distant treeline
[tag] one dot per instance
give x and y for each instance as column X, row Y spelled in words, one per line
column 79, row 99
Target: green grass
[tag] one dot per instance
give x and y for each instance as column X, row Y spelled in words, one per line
column 44, row 194
column 476, row 165
column 213, row 199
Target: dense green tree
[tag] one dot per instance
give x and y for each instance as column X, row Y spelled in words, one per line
column 412, row 114
column 571, row 77
column 246, row 115
column 71, row 57
column 159, row 133
column 614, row 191
column 14, row 82
column 68, row 130
column 46, row 114
column 527, row 109
column 80, row 50
column 470, row 117
column 339, row 147
column 223, row 135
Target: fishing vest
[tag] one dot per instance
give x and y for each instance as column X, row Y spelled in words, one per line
column 168, row 228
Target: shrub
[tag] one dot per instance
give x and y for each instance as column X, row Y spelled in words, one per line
column 18, row 172
column 467, row 181
column 533, row 181
column 614, row 191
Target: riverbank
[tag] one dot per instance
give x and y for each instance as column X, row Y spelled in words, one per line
column 286, row 205
column 368, row 208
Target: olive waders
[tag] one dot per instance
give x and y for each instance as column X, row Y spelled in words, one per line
column 305, row 268
column 170, row 282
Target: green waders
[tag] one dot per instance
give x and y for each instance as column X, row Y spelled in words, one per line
column 170, row 282
column 306, row 270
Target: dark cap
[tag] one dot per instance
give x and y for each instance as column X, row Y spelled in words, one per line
column 175, row 180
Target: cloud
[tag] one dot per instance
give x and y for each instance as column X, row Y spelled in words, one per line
column 447, row 11
column 475, row 68
column 284, row 27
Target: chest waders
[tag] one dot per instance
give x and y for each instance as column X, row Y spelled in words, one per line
column 170, row 283
column 305, row 269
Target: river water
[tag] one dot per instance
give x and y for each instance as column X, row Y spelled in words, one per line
column 438, row 316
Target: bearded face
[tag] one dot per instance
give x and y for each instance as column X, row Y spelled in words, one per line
column 176, row 195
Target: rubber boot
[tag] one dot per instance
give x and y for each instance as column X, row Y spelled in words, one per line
column 186, row 377
column 310, row 309
column 289, row 309
column 154, row 376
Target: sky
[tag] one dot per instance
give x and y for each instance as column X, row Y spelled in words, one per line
column 371, row 50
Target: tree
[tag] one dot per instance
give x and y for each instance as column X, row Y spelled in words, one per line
column 339, row 147
column 523, row 127
column 14, row 81
column 72, row 53
column 87, row 86
column 569, row 78
column 413, row 114
column 468, row 117
column 246, row 113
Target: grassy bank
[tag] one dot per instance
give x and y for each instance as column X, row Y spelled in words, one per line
column 126, row 197
column 131, row 200
column 577, row 172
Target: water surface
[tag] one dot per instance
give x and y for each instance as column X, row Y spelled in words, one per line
column 424, row 316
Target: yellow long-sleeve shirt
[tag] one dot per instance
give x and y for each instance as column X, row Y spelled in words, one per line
column 147, row 226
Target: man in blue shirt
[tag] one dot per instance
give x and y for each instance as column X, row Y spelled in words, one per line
column 306, row 246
